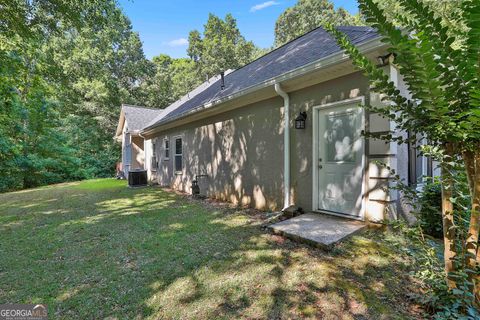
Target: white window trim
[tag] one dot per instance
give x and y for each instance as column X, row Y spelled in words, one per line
column 175, row 154
column 165, row 149
column 420, row 181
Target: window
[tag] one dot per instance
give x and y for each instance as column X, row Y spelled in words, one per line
column 419, row 166
column 178, row 155
column 153, row 163
column 166, row 149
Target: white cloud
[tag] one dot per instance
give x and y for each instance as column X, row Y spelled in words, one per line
column 178, row 42
column 264, row 5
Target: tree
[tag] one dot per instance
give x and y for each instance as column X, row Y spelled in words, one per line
column 222, row 47
column 36, row 19
column 158, row 87
column 100, row 67
column 32, row 145
column 172, row 79
column 184, row 77
column 446, row 10
column 307, row 15
column 65, row 67
column 441, row 67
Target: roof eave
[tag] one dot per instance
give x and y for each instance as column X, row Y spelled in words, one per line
column 121, row 122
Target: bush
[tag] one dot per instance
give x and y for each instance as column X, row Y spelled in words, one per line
column 430, row 209
column 442, row 303
column 438, row 301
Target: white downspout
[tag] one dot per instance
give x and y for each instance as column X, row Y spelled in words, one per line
column 286, row 143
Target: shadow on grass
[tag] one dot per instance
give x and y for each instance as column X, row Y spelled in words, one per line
column 95, row 251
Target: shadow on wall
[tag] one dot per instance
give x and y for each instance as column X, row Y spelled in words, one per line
column 302, row 144
column 240, row 153
column 138, row 156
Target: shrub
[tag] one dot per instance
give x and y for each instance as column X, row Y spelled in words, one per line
column 441, row 301
column 430, row 209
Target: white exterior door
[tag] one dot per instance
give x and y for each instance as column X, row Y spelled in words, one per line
column 340, row 158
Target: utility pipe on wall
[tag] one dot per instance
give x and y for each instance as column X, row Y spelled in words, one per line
column 286, row 143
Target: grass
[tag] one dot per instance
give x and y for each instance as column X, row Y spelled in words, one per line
column 97, row 249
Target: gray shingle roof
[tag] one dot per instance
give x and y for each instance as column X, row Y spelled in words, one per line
column 306, row 49
column 138, row 117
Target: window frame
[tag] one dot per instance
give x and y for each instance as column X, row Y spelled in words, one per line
column 165, row 149
column 175, row 155
column 419, row 166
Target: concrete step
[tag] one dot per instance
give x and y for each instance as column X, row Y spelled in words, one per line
column 317, row 229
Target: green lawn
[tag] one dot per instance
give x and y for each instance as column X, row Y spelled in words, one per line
column 98, row 249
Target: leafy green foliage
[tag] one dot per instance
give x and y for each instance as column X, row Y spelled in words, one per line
column 433, row 70
column 440, row 66
column 29, row 19
column 172, row 79
column 430, row 213
column 426, row 250
column 65, row 67
column 221, row 47
column 427, row 254
column 448, row 12
column 307, row 15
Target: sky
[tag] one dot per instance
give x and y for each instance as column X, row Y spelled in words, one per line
column 164, row 25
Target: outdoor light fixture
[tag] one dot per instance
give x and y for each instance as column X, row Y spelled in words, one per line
column 386, row 59
column 300, row 120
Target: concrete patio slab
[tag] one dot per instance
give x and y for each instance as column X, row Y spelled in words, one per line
column 317, row 229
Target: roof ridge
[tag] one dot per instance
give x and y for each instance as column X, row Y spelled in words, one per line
column 140, row 107
column 296, row 38
column 277, row 48
column 356, row 28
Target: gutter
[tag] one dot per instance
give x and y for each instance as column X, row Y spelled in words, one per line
column 286, row 144
column 333, row 59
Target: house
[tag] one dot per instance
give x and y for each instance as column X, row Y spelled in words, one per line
column 286, row 130
column 131, row 122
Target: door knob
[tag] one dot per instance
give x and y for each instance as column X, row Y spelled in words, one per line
column 320, row 166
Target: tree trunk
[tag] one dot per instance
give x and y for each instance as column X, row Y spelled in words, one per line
column 447, row 214
column 472, row 167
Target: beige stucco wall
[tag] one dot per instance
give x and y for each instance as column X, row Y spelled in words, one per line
column 138, row 154
column 241, row 151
